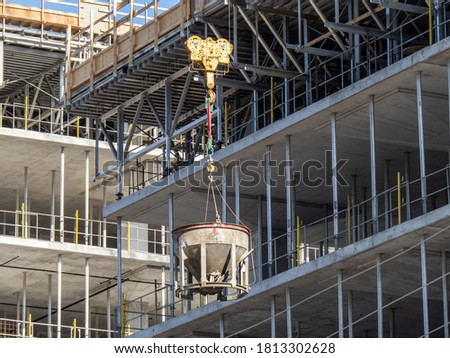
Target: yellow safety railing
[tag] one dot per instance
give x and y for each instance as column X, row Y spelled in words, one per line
column 30, row 326
column 78, row 127
column 74, row 332
column 76, row 227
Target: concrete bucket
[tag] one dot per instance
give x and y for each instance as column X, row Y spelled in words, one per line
column 216, row 256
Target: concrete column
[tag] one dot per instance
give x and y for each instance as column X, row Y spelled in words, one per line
column 273, row 312
column 61, row 197
column 86, row 200
column 108, row 312
column 25, row 202
column 59, row 297
column 24, row 303
column 52, row 207
column 86, row 298
column 350, row 313
column 289, row 195
column 335, row 183
column 119, row 277
column 423, row 267
column 172, row 257
column 269, row 209
column 423, row 180
column 222, row 326
column 49, row 307
column 288, row 313
column 444, row 293
column 340, row 305
column 373, row 165
column 237, row 195
column 224, row 194
column 379, row 298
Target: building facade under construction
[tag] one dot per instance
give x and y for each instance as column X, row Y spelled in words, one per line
column 224, row 168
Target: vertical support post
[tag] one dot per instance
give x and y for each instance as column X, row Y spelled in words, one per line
column 423, row 267
column 423, row 180
column 119, row 327
column 120, row 153
column 289, row 211
column 168, row 129
column 350, row 313
column 172, row 257
column 288, row 313
column 18, row 318
column 224, row 194
column 340, row 305
column 219, row 91
column 387, row 208
column 272, row 101
column 373, row 165
column 299, row 243
column 222, row 326
column 104, row 233
column 235, row 33
column 59, row 298
column 379, row 298
column 16, row 215
column 355, row 209
column 61, row 197
column 273, row 312
column 399, row 198
column 108, row 312
column 335, row 183
column 444, row 293
column 237, row 206
column 49, row 307
column 163, row 275
column 24, row 303
column 52, row 207
column 86, row 200
column 2, row 62
column 392, row 323
column 438, row 20
column 25, row 201
column 408, row 186
column 260, row 237
column 268, row 176
column 86, row 298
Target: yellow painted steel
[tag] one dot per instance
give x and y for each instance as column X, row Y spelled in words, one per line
column 76, row 227
column 78, row 127
column 26, row 113
column 226, row 123
column 129, row 235
column 128, row 329
column 298, row 242
column 74, row 333
column 23, row 220
column 30, row 326
column 399, row 198
column 272, row 101
column 430, row 21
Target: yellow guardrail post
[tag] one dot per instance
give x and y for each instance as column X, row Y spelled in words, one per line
column 399, row 198
column 78, row 127
column 129, row 235
column 26, row 113
column 74, row 333
column 30, row 326
column 226, row 123
column 123, row 315
column 23, row 220
column 272, row 101
column 430, row 21
column 298, row 242
column 76, row 227
column 128, row 329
